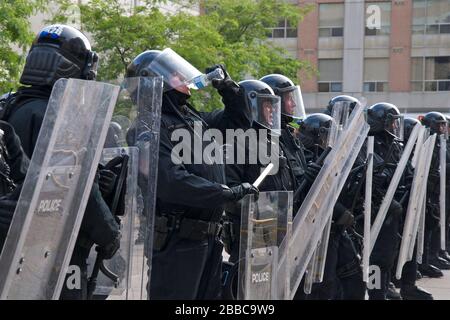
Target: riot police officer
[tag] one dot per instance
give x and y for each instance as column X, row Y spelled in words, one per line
column 292, row 111
column 437, row 123
column 190, row 197
column 342, row 275
column 60, row 51
column 265, row 107
column 385, row 125
column 407, row 283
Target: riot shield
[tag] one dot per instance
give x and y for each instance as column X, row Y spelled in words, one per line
column 442, row 182
column 139, row 115
column 56, row 189
column 420, row 224
column 259, row 254
column 313, row 215
column 415, row 201
column 284, row 232
column 428, row 150
column 114, row 278
column 316, row 267
column 367, row 209
column 382, row 211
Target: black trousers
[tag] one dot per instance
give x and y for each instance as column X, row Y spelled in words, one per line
column 342, row 278
column 384, row 254
column 187, row 269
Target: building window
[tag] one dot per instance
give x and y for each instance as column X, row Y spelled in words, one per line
column 430, row 74
column 385, row 27
column 283, row 30
column 330, row 75
column 431, row 17
column 376, row 75
column 331, row 20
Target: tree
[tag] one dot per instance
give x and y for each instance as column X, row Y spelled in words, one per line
column 230, row 32
column 15, row 38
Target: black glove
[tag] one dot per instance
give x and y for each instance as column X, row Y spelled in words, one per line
column 108, row 251
column 106, row 182
column 225, row 87
column 240, row 191
column 16, row 158
column 312, row 171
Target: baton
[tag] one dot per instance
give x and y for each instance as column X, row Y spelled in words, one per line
column 263, row 175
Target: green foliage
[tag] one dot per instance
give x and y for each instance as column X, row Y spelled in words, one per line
column 233, row 33
column 15, row 38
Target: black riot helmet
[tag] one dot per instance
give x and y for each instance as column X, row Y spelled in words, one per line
column 385, row 117
column 265, row 105
column 343, row 99
column 59, row 51
column 315, row 129
column 139, row 67
column 177, row 73
column 409, row 124
column 436, row 122
column 292, row 106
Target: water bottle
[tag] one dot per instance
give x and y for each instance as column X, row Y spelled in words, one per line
column 205, row 79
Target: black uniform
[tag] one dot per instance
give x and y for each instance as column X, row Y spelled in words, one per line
column 13, row 166
column 387, row 152
column 189, row 204
column 26, row 114
column 283, row 180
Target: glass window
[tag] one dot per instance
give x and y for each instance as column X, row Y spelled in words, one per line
column 431, row 16
column 385, row 15
column 283, row 30
column 430, row 73
column 376, row 69
column 331, row 20
column 330, row 69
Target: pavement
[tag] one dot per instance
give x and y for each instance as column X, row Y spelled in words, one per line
column 440, row 287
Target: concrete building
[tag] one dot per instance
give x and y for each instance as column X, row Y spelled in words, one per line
column 396, row 51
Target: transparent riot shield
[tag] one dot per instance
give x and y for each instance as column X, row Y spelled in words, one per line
column 138, row 112
column 316, row 267
column 259, row 254
column 367, row 209
column 428, row 151
column 313, row 215
column 384, row 207
column 56, row 189
column 284, row 232
column 421, row 220
column 114, row 276
column 442, row 182
column 414, row 203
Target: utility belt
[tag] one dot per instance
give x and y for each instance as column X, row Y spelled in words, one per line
column 186, row 228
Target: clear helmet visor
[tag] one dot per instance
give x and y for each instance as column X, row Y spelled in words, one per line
column 442, row 128
column 266, row 110
column 177, row 72
column 328, row 135
column 394, row 125
column 292, row 102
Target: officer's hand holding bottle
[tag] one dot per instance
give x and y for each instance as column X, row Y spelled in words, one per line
column 226, row 86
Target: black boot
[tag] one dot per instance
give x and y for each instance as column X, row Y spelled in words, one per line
column 415, row 293
column 428, row 270
column 444, row 255
column 440, row 263
column 392, row 294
